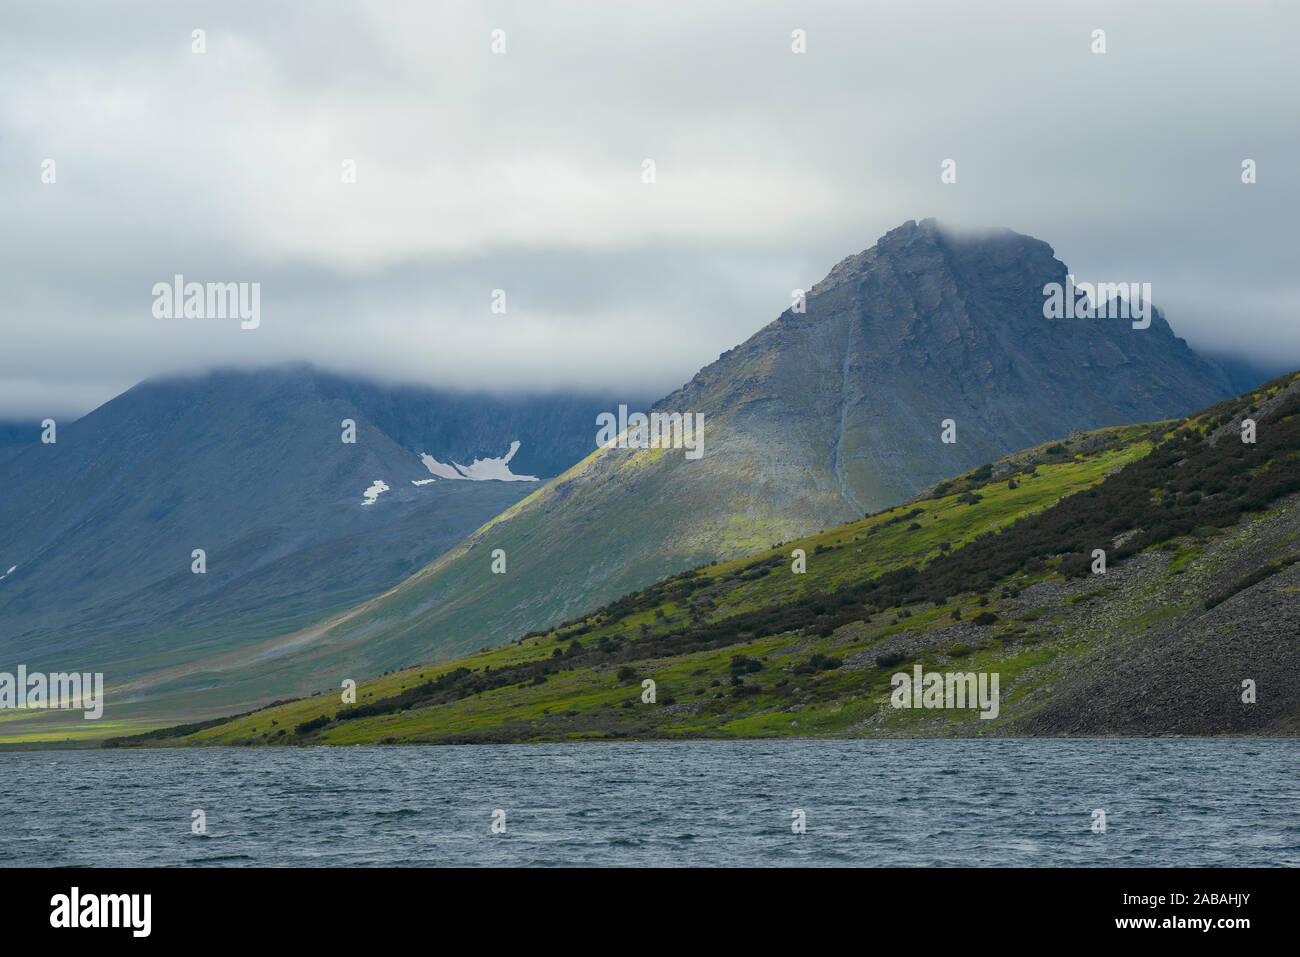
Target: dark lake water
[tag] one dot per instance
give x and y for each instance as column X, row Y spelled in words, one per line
column 923, row 803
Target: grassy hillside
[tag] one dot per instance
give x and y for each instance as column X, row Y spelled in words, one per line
column 987, row 572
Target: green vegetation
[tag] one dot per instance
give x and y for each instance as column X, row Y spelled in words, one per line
column 750, row 648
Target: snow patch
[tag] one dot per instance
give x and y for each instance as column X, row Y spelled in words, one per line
column 437, row 468
column 372, row 493
column 480, row 470
column 423, row 481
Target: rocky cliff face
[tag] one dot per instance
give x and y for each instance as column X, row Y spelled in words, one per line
column 927, row 326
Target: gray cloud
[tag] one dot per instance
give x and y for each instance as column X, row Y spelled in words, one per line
column 522, row 172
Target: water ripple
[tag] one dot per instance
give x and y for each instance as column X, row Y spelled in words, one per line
column 913, row 802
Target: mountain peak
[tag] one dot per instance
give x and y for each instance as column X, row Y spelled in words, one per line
column 917, row 245
column 933, row 323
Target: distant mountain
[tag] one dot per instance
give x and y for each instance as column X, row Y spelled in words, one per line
column 250, row 467
column 820, row 417
column 15, row 435
column 553, row 431
column 1245, row 374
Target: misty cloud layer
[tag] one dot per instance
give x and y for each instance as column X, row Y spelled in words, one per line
column 522, row 172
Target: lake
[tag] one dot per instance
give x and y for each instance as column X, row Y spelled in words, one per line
column 1180, row 802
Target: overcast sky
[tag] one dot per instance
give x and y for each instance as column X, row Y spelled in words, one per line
column 522, row 171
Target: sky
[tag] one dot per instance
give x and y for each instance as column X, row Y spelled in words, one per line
column 523, row 171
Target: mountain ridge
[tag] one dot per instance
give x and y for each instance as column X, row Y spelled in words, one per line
column 818, row 417
column 252, row 468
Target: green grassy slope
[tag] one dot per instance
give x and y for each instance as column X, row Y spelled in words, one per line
column 587, row 698
column 987, row 572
